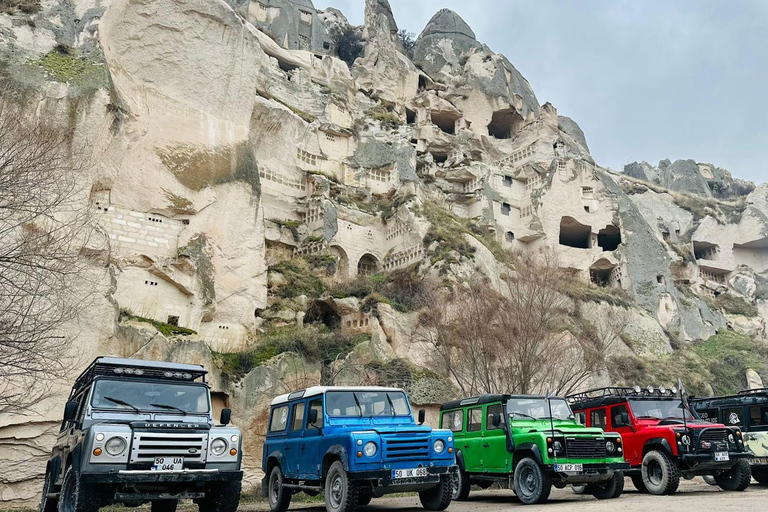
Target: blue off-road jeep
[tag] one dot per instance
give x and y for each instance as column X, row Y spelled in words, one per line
column 353, row 444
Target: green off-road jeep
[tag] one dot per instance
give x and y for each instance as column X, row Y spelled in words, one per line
column 530, row 443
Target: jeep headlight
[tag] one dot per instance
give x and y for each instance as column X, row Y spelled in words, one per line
column 115, row 446
column 218, row 446
column 370, row 449
column 686, row 440
column 558, row 446
column 731, row 439
column 439, row 446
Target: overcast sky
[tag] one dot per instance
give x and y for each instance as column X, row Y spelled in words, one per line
column 645, row 80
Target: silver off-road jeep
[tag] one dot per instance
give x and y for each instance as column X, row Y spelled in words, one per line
column 142, row 431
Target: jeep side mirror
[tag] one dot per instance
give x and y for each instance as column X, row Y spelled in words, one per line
column 312, row 417
column 226, row 416
column 70, row 410
column 422, row 416
column 496, row 420
column 625, row 418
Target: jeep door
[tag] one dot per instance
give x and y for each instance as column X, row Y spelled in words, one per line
column 621, row 422
column 496, row 458
column 278, row 433
column 312, row 447
column 472, row 443
column 293, row 439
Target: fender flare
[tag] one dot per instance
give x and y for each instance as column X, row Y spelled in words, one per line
column 460, row 460
column 279, row 457
column 533, row 447
column 658, row 441
column 338, row 451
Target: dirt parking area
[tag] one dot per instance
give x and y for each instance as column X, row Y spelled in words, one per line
column 693, row 496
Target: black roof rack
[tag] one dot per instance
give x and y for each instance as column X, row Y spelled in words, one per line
column 137, row 368
column 485, row 399
column 747, row 396
column 612, row 394
column 757, row 391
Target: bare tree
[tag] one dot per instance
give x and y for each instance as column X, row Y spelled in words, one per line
column 43, row 223
column 516, row 339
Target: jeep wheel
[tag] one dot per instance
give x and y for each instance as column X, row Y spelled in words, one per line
column 341, row 493
column 460, row 485
column 660, row 474
column 760, row 475
column 279, row 497
column 164, row 505
column 223, row 497
column 637, row 481
column 364, row 498
column 608, row 489
column 532, row 484
column 735, row 479
column 76, row 496
column 438, row 497
column 48, row 504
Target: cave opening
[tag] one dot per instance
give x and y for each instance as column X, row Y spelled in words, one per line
column 504, row 123
column 322, row 313
column 575, row 234
column 445, row 121
column 609, row 238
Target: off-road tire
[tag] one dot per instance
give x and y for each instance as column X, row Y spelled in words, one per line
column 608, row 489
column 223, row 497
column 164, row 505
column 637, row 481
column 438, row 497
column 278, row 496
column 579, row 488
column 532, row 483
column 460, row 484
column 660, row 474
column 341, row 493
column 76, row 496
column 48, row 504
column 737, row 478
column 760, row 475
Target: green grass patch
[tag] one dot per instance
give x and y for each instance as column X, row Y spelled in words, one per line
column 403, row 289
column 385, row 114
column 64, row 65
column 299, row 277
column 732, row 305
column 583, row 292
column 313, row 342
column 167, row 330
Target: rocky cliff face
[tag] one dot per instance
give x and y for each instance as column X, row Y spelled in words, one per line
column 246, row 185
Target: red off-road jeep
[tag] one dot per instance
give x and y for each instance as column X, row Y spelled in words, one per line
column 663, row 440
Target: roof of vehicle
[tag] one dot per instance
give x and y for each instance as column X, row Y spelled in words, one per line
column 614, row 395
column 319, row 390
column 748, row 396
column 485, row 399
column 124, row 367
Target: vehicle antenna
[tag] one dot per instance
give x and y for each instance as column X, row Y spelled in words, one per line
column 682, row 402
column 551, row 426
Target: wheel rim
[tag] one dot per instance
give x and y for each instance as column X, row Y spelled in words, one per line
column 456, row 483
column 337, row 491
column 527, row 481
column 274, row 488
column 655, row 473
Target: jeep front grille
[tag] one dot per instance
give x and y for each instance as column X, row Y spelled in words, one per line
column 405, row 448
column 148, row 445
column 585, row 448
column 715, row 435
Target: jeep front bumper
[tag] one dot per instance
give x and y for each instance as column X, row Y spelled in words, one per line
column 597, row 472
column 145, row 476
column 383, row 483
column 704, row 463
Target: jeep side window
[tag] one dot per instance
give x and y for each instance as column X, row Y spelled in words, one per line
column 490, row 413
column 474, row 421
column 616, row 413
column 453, row 420
column 297, row 421
column 758, row 416
column 733, row 417
column 317, row 405
column 279, row 420
column 597, row 418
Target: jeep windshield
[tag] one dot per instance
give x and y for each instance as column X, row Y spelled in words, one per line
column 659, row 410
column 142, row 396
column 538, row 409
column 364, row 404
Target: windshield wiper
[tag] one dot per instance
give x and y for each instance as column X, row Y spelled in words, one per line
column 391, row 404
column 523, row 414
column 170, row 408
column 357, row 402
column 121, row 402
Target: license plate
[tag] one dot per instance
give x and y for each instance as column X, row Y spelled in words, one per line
column 722, row 456
column 569, row 468
column 409, row 473
column 168, row 464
